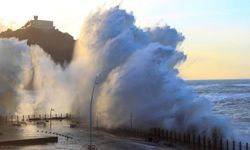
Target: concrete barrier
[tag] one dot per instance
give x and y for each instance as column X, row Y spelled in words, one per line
column 29, row 141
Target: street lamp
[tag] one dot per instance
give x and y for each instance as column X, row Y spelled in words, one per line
column 98, row 121
column 50, row 115
column 90, row 115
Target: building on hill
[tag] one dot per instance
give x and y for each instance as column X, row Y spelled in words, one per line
column 40, row 24
column 59, row 45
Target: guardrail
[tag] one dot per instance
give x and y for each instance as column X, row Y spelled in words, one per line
column 191, row 141
column 18, row 118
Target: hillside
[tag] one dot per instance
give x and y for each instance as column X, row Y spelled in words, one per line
column 59, row 45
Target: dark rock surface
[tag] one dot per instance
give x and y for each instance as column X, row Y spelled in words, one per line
column 57, row 44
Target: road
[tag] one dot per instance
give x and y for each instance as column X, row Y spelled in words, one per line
column 79, row 141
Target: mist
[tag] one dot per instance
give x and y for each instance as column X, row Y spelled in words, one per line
column 13, row 59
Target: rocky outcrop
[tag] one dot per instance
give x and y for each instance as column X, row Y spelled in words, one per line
column 57, row 44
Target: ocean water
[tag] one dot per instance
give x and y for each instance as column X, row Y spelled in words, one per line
column 229, row 98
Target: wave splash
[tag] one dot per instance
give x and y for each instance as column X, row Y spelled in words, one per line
column 137, row 75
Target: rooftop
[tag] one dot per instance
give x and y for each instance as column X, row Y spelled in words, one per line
column 40, row 24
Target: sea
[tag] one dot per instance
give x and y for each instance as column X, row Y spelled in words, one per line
column 229, row 98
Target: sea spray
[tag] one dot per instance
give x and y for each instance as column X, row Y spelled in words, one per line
column 13, row 58
column 48, row 85
column 136, row 72
column 137, row 76
column 30, row 82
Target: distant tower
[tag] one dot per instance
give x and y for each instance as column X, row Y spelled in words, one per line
column 35, row 17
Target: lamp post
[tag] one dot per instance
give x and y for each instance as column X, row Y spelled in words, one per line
column 50, row 115
column 97, row 120
column 90, row 115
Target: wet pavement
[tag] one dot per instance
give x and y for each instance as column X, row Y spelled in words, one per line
column 70, row 138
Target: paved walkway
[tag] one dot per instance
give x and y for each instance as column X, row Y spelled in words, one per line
column 79, row 141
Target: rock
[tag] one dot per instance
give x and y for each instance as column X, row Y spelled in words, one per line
column 60, row 46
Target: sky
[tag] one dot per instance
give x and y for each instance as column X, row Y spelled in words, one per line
column 217, row 32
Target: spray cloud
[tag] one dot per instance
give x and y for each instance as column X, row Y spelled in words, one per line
column 13, row 56
column 137, row 75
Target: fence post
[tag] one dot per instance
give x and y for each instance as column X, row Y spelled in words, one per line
column 180, row 138
column 204, row 142
column 214, row 143
column 209, row 143
column 171, row 137
column 146, row 133
column 175, row 137
column 221, row 144
column 246, row 146
column 159, row 133
column 240, row 146
column 23, row 117
column 199, row 141
column 167, row 135
column 141, row 133
column 138, row 132
column 189, row 141
column 153, row 132
column 149, row 134
column 227, row 145
column 184, row 138
column 233, row 145
column 162, row 134
column 194, row 140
